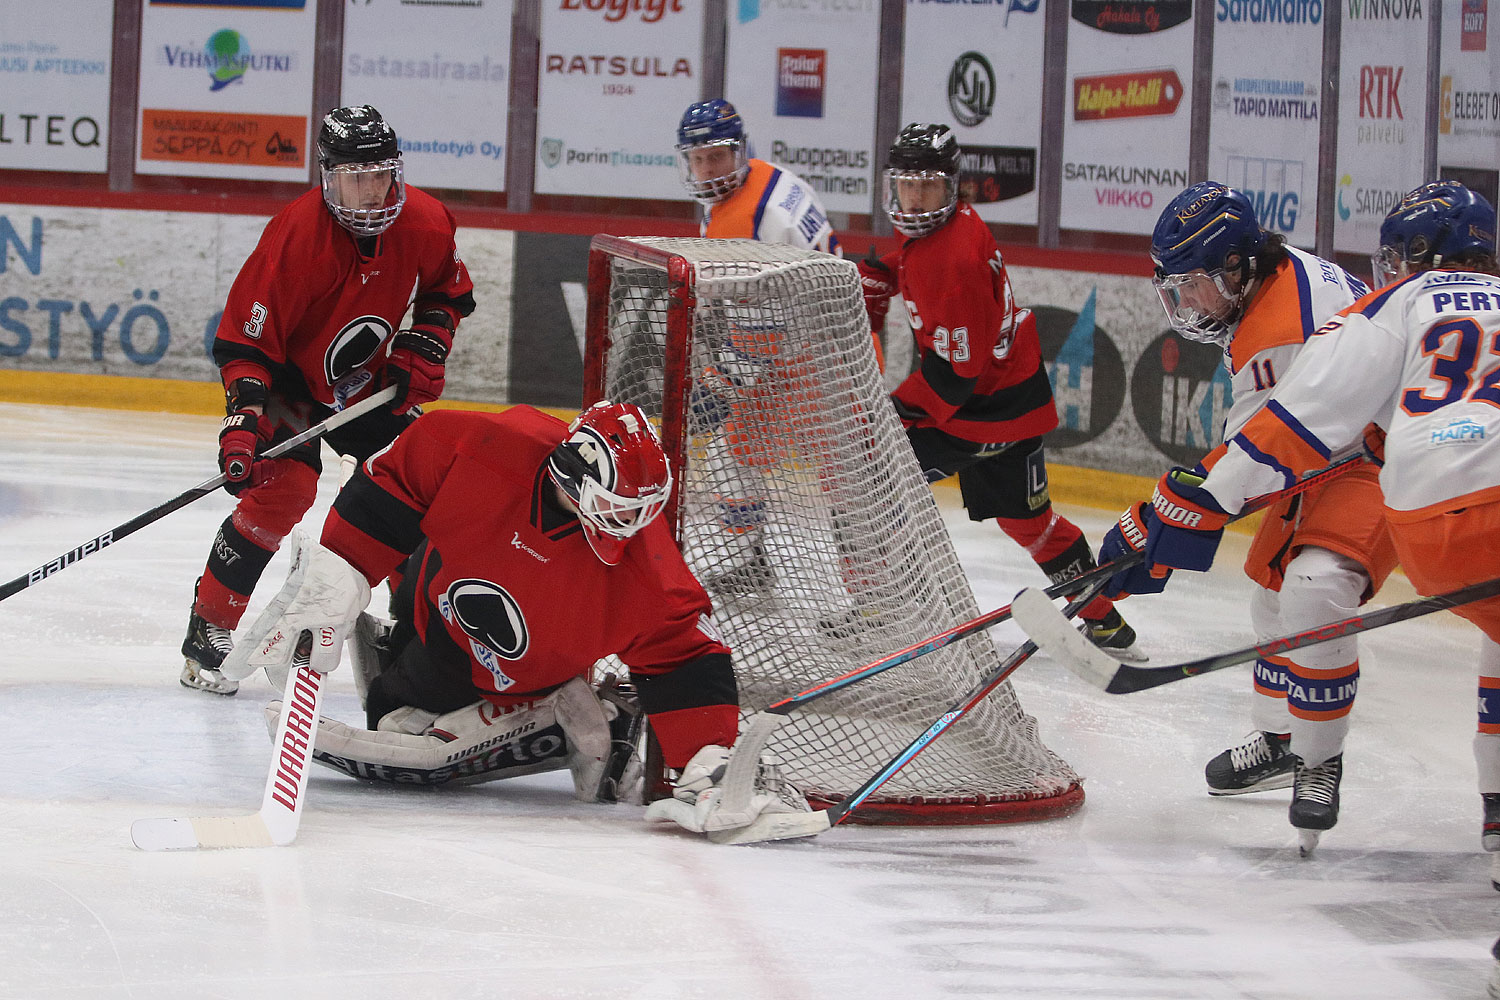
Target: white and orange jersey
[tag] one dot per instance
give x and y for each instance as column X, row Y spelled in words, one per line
column 1420, row 358
column 774, row 205
column 1300, row 295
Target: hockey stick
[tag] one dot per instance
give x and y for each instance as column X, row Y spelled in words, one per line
column 1036, row 614
column 783, row 826
column 739, row 777
column 286, row 785
column 181, row 500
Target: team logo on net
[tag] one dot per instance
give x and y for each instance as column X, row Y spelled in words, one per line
column 971, row 88
column 649, row 11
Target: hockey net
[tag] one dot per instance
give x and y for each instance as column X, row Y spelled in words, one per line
column 801, row 507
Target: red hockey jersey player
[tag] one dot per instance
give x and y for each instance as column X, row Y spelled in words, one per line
column 530, row 549
column 980, row 400
column 310, row 326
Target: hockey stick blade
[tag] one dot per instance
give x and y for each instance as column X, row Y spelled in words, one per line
column 1114, row 677
column 286, row 786
column 775, row 826
column 1060, row 639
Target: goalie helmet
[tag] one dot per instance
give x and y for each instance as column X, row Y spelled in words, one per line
column 361, row 170
column 613, row 469
column 1206, row 233
column 712, row 150
column 1437, row 222
column 921, row 178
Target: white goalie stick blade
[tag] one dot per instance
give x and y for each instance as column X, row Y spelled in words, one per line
column 286, row 786
column 1060, row 639
column 775, row 826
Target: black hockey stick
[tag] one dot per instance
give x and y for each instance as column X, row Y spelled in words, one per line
column 1046, row 626
column 1067, row 587
column 181, row 500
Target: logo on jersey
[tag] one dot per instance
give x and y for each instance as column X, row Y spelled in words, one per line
column 354, row 346
column 490, row 616
column 1462, row 430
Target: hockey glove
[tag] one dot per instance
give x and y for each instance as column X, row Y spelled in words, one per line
column 323, row 595
column 417, row 360
column 1128, row 536
column 877, row 283
column 245, row 431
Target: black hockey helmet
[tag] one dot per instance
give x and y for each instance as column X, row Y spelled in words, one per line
column 355, row 134
column 358, row 154
column 923, row 156
column 924, row 147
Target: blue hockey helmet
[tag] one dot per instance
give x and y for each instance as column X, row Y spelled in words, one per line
column 1206, row 234
column 713, row 150
column 1435, row 223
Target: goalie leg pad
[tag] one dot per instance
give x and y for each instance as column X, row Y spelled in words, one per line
column 490, row 744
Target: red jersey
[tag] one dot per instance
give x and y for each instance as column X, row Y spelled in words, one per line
column 315, row 305
column 506, row 581
column 979, row 375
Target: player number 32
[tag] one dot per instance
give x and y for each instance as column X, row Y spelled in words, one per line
column 1454, row 350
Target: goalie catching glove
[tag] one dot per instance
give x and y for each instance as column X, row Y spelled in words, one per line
column 1179, row 529
column 700, row 803
column 322, row 595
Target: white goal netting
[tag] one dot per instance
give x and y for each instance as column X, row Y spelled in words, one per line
column 802, row 509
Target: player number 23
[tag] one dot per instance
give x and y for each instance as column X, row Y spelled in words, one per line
column 951, row 345
column 1454, row 350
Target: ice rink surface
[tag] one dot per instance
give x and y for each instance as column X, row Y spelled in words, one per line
column 514, row 890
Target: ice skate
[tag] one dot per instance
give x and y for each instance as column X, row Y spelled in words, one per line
column 1489, row 836
column 204, row 650
column 1111, row 633
column 1260, row 763
column 1315, row 800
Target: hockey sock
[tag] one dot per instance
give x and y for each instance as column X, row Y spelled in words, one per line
column 235, row 565
column 1059, row 548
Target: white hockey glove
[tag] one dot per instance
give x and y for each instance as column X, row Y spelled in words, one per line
column 698, row 801
column 323, row 595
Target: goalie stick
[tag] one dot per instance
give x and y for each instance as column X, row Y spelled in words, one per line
column 186, row 497
column 739, row 781
column 286, row 785
column 1043, row 622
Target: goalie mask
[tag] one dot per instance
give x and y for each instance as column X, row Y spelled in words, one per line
column 921, row 179
column 712, row 150
column 1204, row 249
column 1436, row 223
column 361, row 165
column 613, row 469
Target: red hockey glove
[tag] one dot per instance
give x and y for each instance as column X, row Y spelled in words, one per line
column 245, row 431
column 878, row 284
column 417, row 359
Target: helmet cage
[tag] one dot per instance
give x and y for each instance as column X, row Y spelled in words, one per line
column 912, row 223
column 711, row 190
column 1204, row 327
column 364, row 221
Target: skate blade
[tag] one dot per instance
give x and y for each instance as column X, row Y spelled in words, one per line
column 196, row 678
column 1268, row 785
column 1307, row 842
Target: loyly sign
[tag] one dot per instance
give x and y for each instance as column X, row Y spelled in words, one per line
column 617, row 10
